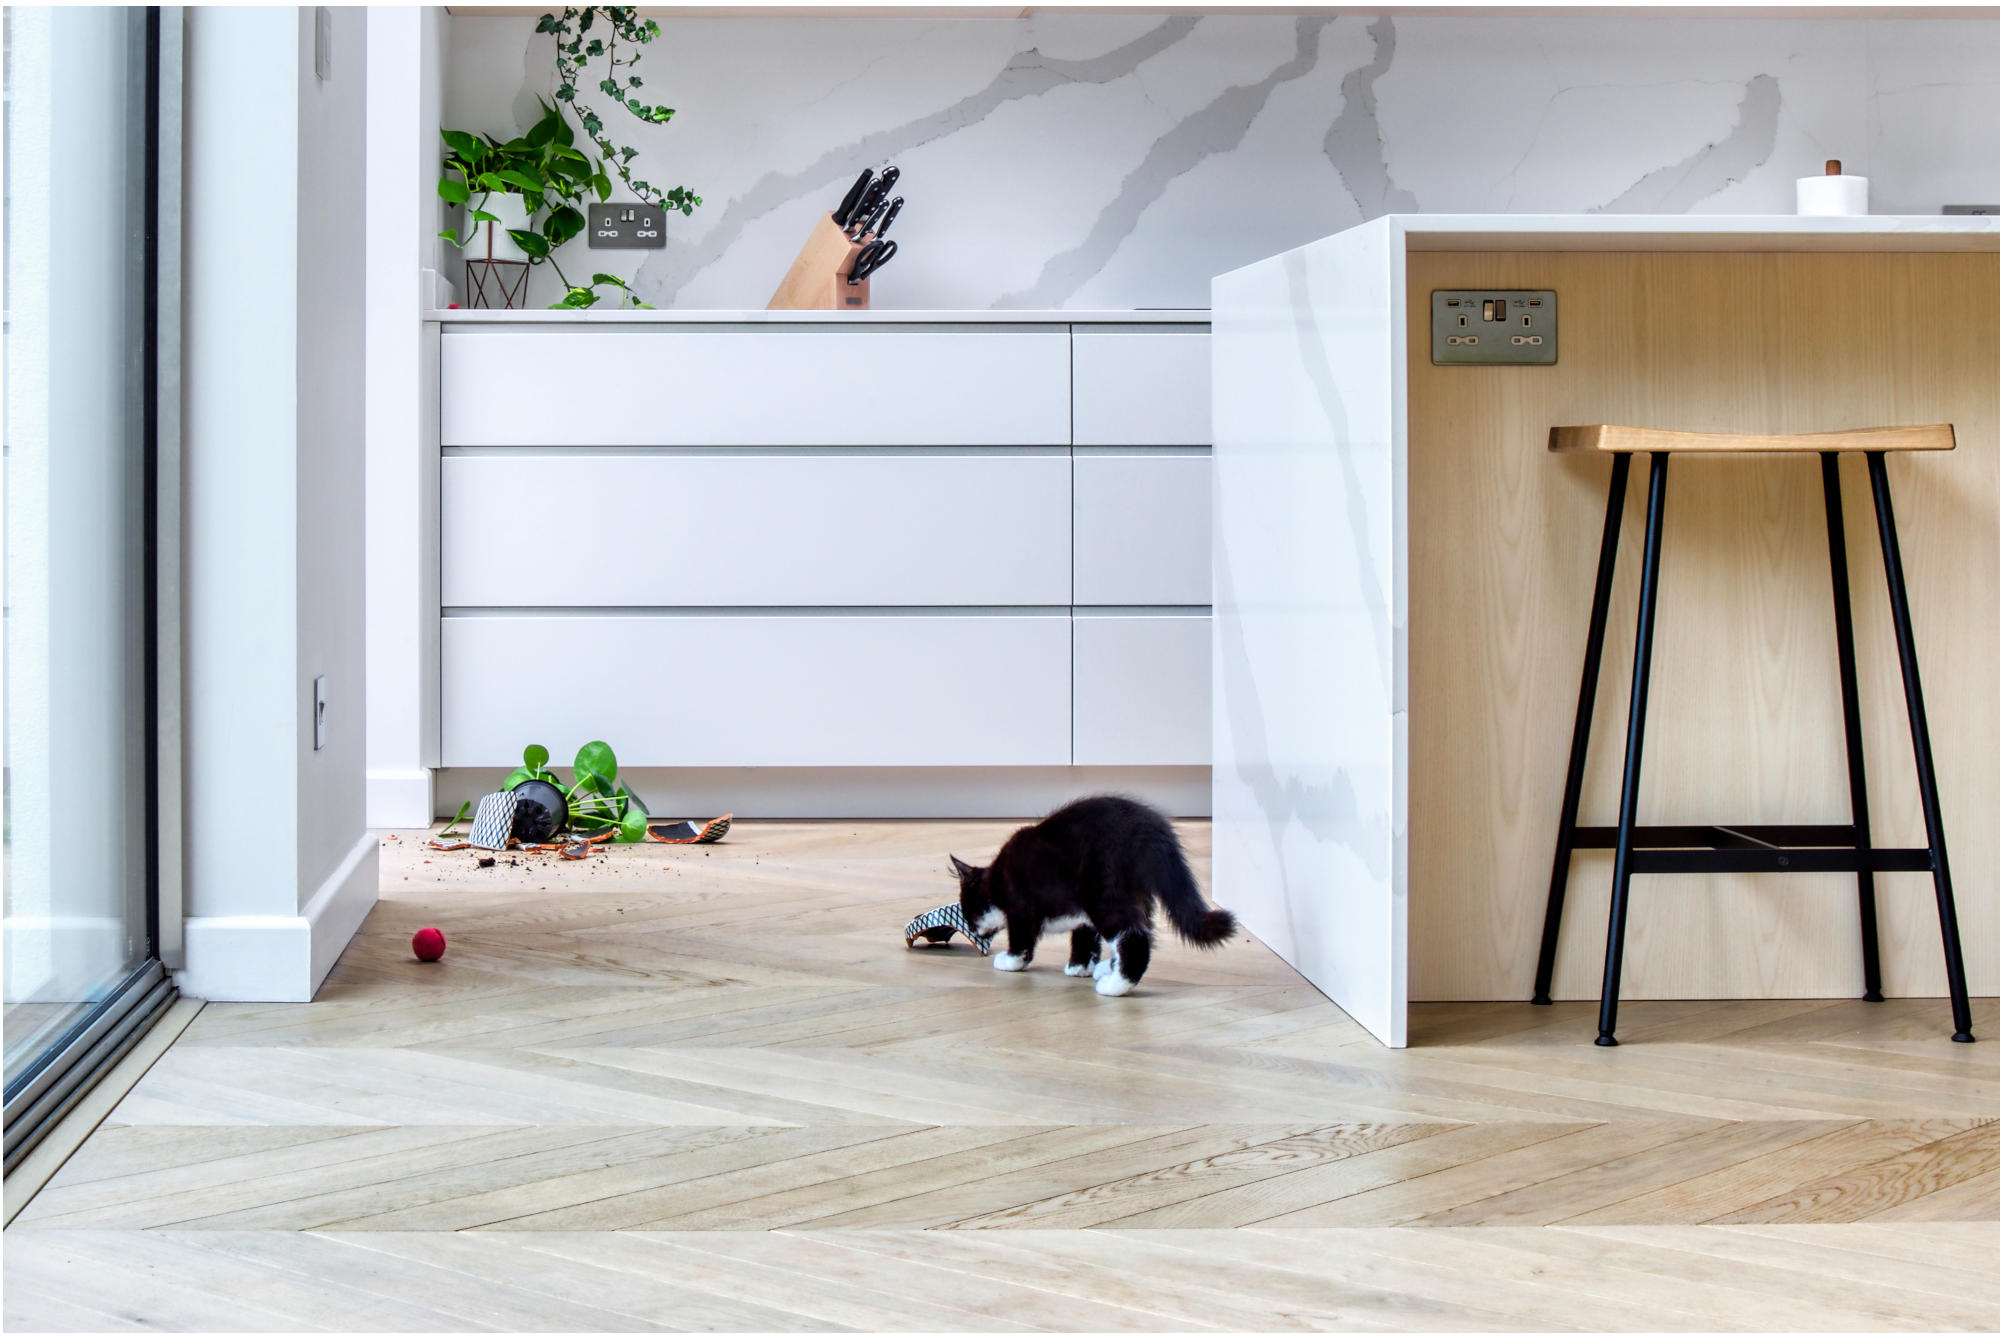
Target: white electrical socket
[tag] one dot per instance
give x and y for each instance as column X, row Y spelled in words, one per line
column 319, row 712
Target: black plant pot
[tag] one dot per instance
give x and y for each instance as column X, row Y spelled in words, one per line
column 542, row 811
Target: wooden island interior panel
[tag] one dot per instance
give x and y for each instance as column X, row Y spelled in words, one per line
column 1744, row 723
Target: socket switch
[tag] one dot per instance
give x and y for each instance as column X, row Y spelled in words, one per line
column 627, row 227
column 1493, row 328
column 319, row 712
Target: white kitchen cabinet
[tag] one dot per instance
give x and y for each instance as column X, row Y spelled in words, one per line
column 1141, row 385
column 738, row 689
column 1141, row 688
column 745, row 386
column 1141, row 529
column 795, row 529
column 801, row 543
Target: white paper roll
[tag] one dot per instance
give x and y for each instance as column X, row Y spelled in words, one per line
column 1833, row 196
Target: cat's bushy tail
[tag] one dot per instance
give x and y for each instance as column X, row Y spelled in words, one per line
column 1173, row 884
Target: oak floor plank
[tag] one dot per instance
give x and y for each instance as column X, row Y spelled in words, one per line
column 1704, row 1197
column 1866, row 1191
column 1618, row 1178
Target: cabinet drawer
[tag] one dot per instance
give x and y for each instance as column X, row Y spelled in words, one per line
column 745, row 386
column 1141, row 385
column 757, row 530
column 1142, row 530
column 1141, row 689
column 752, row 691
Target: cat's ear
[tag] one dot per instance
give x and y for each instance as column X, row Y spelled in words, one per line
column 963, row 871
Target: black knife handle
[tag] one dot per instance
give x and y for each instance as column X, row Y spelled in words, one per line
column 895, row 207
column 851, row 198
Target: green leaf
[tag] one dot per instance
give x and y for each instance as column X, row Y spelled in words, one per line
column 481, row 215
column 465, row 145
column 602, row 184
column 577, row 298
column 516, row 778
column 596, row 760
column 632, row 828
column 535, row 757
column 534, row 245
column 452, row 236
column 611, row 278
column 522, row 181
column 453, row 192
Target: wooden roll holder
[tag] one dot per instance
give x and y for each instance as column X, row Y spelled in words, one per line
column 818, row 277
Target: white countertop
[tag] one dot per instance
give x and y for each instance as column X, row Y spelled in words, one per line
column 875, row 317
column 1690, row 231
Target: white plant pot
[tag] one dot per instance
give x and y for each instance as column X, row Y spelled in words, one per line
column 512, row 210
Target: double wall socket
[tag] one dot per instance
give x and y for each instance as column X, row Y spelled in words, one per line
column 627, row 227
column 1493, row 328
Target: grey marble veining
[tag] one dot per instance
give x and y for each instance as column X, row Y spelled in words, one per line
column 1122, row 160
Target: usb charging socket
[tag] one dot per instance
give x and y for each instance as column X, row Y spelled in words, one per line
column 1515, row 327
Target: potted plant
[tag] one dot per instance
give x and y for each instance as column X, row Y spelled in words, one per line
column 592, row 803
column 525, row 197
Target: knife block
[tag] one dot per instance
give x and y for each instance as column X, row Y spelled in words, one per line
column 817, row 279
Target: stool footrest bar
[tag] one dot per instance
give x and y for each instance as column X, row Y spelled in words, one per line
column 1747, row 836
column 1779, row 860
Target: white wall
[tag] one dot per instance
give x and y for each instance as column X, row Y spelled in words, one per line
column 1122, row 160
column 281, row 868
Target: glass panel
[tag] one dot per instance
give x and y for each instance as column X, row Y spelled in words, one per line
column 76, row 722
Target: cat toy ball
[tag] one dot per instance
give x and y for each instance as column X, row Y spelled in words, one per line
column 428, row 944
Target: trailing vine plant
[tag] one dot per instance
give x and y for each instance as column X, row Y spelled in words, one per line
column 575, row 49
column 546, row 168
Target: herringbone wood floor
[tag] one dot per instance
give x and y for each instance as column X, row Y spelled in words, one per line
column 709, row 1089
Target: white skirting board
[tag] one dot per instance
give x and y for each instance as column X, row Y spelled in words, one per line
column 873, row 793
column 272, row 959
column 399, row 798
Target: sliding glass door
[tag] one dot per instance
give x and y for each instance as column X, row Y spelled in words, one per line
column 82, row 475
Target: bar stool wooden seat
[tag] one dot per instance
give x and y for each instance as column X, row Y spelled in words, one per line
column 1747, row 848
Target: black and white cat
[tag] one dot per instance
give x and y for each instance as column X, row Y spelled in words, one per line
column 1093, row 868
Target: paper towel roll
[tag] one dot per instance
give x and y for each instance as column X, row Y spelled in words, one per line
column 1833, row 196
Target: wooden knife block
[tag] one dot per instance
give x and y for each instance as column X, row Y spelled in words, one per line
column 818, row 277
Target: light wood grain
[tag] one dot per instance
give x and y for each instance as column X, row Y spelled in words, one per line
column 1642, row 439
column 708, row 1088
column 1744, row 722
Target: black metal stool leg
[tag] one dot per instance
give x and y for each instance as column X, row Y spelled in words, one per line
column 1635, row 742
column 1579, row 744
column 1920, row 744
column 1850, row 709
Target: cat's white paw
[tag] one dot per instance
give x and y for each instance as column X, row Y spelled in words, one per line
column 1113, row 983
column 1010, row 962
column 1100, row 968
column 1078, row 970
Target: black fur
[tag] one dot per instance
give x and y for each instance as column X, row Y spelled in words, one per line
column 1105, row 860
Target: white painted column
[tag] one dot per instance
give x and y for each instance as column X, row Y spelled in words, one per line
column 280, row 866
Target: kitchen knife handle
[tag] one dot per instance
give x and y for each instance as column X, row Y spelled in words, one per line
column 851, row 198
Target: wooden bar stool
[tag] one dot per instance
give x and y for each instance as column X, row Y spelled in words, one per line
column 1754, row 848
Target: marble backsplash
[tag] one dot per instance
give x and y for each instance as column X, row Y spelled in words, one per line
column 1116, row 161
